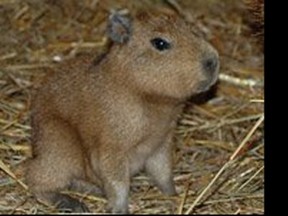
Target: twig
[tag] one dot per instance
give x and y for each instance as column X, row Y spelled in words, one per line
column 250, row 179
column 8, row 56
column 22, row 11
column 257, row 101
column 219, row 123
column 27, row 66
column 21, row 126
column 175, row 5
column 227, row 164
column 183, row 199
column 241, row 82
column 232, row 199
column 15, row 147
column 79, row 44
column 207, row 188
column 211, row 143
column 12, row 175
column 237, row 211
column 261, row 119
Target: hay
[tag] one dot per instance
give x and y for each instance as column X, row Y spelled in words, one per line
column 219, row 157
column 256, row 8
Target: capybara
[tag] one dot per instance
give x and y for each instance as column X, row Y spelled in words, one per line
column 97, row 123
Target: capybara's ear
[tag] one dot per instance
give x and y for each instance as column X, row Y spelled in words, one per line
column 119, row 28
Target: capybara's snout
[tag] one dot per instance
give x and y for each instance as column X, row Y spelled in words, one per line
column 210, row 68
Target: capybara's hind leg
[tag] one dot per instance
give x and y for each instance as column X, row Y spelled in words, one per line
column 63, row 203
column 86, row 187
column 57, row 161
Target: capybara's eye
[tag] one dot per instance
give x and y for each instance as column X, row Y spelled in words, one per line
column 160, row 44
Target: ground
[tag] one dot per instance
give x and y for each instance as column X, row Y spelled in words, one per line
column 219, row 157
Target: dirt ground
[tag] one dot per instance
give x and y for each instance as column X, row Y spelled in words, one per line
column 219, row 157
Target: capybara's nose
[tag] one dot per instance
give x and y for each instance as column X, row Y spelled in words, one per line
column 210, row 65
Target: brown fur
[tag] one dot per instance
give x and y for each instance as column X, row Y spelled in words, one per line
column 256, row 15
column 97, row 123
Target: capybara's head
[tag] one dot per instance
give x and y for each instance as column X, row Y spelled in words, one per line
column 158, row 54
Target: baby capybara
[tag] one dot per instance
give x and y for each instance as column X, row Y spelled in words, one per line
column 97, row 123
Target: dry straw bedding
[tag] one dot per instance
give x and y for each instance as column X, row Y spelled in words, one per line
column 219, row 157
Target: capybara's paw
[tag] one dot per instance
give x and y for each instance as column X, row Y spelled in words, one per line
column 68, row 204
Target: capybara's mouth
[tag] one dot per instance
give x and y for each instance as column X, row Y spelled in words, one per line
column 206, row 84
